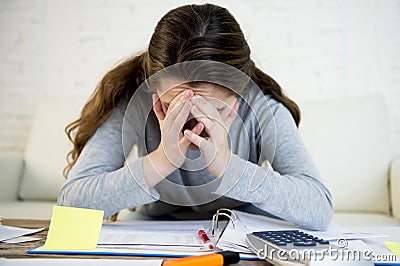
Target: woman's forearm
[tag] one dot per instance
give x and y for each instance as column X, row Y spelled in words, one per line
column 156, row 167
column 108, row 191
column 300, row 199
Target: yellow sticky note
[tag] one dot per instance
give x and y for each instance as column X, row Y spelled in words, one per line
column 73, row 229
column 394, row 247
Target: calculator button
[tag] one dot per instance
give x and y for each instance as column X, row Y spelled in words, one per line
column 285, row 237
column 304, row 244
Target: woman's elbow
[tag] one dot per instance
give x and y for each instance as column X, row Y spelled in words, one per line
column 69, row 196
column 322, row 216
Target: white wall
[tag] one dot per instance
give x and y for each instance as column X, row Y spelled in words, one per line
column 314, row 48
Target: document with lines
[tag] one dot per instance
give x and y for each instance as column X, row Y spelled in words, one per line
column 153, row 233
column 234, row 236
column 146, row 238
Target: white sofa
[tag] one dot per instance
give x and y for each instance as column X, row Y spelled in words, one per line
column 348, row 139
column 30, row 182
column 349, row 142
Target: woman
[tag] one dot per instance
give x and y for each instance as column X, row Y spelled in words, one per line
column 208, row 140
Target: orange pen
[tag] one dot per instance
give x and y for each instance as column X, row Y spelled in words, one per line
column 215, row 259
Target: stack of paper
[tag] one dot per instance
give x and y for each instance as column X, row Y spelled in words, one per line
column 80, row 231
column 166, row 235
column 80, row 262
column 12, row 235
column 145, row 238
column 234, row 236
column 70, row 226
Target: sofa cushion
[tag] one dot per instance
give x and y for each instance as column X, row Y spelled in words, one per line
column 364, row 219
column 36, row 210
column 10, row 165
column 48, row 145
column 348, row 140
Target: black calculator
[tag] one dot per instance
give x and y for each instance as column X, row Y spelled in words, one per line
column 270, row 245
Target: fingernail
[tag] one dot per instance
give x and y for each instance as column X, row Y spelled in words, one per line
column 199, row 126
column 187, row 133
column 187, row 94
column 195, row 99
column 154, row 98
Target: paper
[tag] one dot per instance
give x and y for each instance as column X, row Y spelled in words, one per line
column 335, row 232
column 234, row 238
column 146, row 238
column 133, row 251
column 184, row 238
column 155, row 233
column 73, row 229
column 80, row 262
column 10, row 232
column 21, row 239
column 394, row 247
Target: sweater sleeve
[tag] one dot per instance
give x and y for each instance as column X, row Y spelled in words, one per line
column 291, row 189
column 102, row 178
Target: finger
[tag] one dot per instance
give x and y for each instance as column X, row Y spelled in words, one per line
column 196, row 130
column 181, row 97
column 201, row 117
column 173, row 111
column 180, row 117
column 206, row 107
column 200, row 142
column 177, row 104
column 157, row 107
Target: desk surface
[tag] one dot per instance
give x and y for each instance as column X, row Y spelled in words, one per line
column 19, row 250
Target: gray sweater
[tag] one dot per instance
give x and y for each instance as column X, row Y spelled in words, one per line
column 288, row 186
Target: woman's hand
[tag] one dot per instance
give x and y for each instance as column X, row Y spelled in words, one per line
column 215, row 147
column 171, row 153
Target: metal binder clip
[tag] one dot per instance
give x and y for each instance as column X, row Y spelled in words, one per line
column 222, row 212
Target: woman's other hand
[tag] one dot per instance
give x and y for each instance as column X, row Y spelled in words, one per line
column 215, row 147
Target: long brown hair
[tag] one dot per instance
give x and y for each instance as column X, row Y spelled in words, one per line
column 190, row 32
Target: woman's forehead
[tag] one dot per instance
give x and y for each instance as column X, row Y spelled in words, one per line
column 208, row 90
